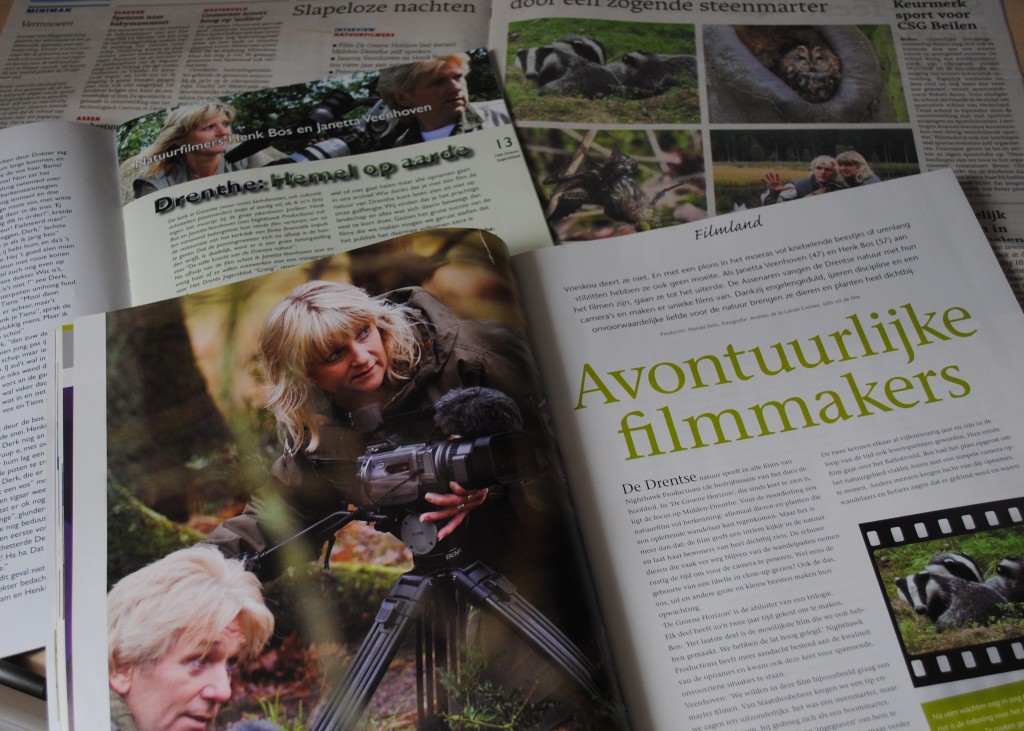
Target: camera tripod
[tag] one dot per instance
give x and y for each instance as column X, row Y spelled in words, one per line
column 434, row 596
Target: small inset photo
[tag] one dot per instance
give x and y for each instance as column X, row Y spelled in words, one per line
column 588, row 71
column 953, row 582
column 609, row 182
column 755, row 168
column 770, row 74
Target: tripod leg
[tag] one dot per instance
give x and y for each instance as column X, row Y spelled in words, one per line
column 490, row 589
column 398, row 612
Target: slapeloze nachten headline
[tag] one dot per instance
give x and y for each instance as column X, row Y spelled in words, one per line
column 649, row 434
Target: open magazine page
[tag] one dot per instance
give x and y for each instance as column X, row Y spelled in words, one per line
column 108, row 62
column 691, row 109
column 498, row 585
column 775, row 424
column 60, row 232
column 303, row 171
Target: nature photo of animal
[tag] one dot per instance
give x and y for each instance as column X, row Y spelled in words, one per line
column 589, row 71
column 802, row 74
column 603, row 183
column 955, row 592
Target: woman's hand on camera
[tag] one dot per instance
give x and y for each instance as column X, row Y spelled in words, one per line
column 454, row 507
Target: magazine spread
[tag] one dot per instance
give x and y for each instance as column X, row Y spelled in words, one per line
column 804, row 511
column 344, row 170
column 791, row 436
column 426, row 467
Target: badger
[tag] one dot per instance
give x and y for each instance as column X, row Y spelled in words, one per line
column 951, row 602
column 558, row 72
column 587, row 48
column 954, row 564
column 531, row 60
column 1011, row 572
column 648, row 74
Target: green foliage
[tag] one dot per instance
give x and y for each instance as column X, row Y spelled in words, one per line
column 273, row 710
column 333, row 606
column 137, row 535
column 618, row 37
column 485, row 705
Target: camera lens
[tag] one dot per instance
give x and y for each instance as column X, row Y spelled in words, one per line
column 331, row 147
column 484, row 461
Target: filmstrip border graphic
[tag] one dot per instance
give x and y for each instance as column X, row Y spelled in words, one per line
column 948, row 526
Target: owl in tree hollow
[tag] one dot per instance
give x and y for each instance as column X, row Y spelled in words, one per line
column 814, row 72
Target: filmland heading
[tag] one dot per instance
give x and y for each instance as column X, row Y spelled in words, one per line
column 713, row 229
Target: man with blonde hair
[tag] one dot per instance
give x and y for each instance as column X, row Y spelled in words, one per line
column 176, row 630
column 437, row 94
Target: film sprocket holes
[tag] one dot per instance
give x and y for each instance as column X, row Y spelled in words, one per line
column 964, row 656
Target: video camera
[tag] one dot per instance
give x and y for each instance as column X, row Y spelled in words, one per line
column 391, row 474
column 371, row 131
column 485, row 447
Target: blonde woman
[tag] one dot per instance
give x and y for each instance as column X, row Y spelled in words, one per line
column 344, row 370
column 855, row 169
column 190, row 145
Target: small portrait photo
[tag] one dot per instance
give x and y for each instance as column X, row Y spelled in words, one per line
column 317, row 445
column 753, row 168
column 829, row 74
column 954, row 587
column 590, row 71
column 601, row 183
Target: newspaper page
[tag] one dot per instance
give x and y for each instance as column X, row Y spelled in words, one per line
column 806, row 500
column 107, row 62
column 641, row 114
column 61, row 258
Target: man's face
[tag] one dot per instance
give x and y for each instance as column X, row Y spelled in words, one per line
column 824, row 173
column 445, row 92
column 184, row 690
column 360, row 363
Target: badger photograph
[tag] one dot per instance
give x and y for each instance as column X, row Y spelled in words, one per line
column 955, row 591
column 803, row 74
column 602, row 183
column 597, row 71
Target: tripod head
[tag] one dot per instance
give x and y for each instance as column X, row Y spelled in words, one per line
column 419, row 538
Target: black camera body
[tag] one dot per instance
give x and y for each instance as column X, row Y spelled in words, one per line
column 392, row 475
column 374, row 130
